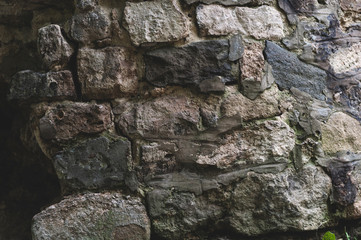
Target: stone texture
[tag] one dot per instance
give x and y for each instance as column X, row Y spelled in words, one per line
column 107, row 73
column 155, row 21
column 256, row 75
column 169, row 116
column 203, row 64
column 33, row 86
column 346, row 59
column 282, row 202
column 231, row 2
column 93, row 216
column 178, row 215
column 265, row 143
column 341, row 132
column 102, row 162
column 351, row 5
column 86, row 5
column 288, row 71
column 66, row 120
column 261, row 23
column 53, row 48
column 91, row 26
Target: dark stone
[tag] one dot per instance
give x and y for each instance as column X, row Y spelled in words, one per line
column 193, row 64
column 94, row 164
column 289, row 72
column 344, row 191
column 34, row 86
column 236, row 48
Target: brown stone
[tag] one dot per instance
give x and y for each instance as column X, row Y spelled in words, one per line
column 107, row 73
column 351, row 5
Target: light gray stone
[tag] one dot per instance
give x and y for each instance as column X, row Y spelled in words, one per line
column 53, row 48
column 155, row 21
column 93, row 216
column 263, row 22
column 347, row 59
column 107, row 73
column 285, row 201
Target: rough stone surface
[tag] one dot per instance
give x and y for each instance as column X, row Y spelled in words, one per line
column 169, row 116
column 54, row 49
column 107, row 73
column 91, row 26
column 66, row 120
column 341, row 132
column 203, row 64
column 284, row 201
column 231, row 2
column 93, row 216
column 261, row 23
column 269, row 142
column 28, row 85
column 351, row 5
column 347, row 60
column 175, row 215
column 288, row 71
column 97, row 163
column 155, row 21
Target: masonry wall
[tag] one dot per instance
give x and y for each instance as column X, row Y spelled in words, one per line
column 189, row 119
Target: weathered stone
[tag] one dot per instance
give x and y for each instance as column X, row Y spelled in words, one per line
column 240, row 108
column 347, row 59
column 86, row 5
column 256, row 75
column 280, row 202
column 351, row 5
column 34, row 86
column 90, row 26
column 341, row 133
column 175, row 214
column 289, row 72
column 203, row 64
column 169, row 116
column 97, row 163
column 231, row 2
column 66, row 120
column 263, row 22
column 266, row 143
column 155, row 21
column 93, row 216
column 53, row 48
column 107, row 73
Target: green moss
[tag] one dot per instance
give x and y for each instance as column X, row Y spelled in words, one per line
column 329, row 236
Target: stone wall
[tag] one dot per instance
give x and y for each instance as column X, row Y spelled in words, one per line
column 188, row 119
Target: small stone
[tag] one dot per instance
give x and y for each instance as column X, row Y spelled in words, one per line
column 53, row 48
column 36, row 87
column 107, row 73
column 288, row 71
column 203, row 64
column 66, row 120
column 284, row 201
column 93, row 216
column 91, row 26
column 341, row 133
column 155, row 21
column 95, row 164
column 263, row 22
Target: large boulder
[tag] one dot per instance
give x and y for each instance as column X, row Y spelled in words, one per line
column 93, row 216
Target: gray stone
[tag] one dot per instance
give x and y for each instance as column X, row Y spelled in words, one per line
column 33, row 86
column 203, row 64
column 285, row 201
column 351, row 5
column 107, row 73
column 86, row 5
column 231, row 2
column 178, row 215
column 93, row 216
column 91, row 26
column 288, row 71
column 95, row 164
column 263, row 22
column 347, row 60
column 155, row 21
column 53, row 48
column 236, row 47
